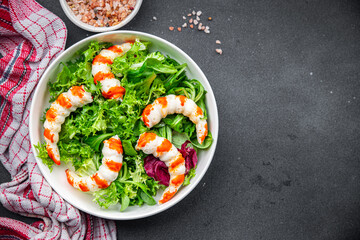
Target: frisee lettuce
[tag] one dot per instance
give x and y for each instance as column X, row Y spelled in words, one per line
column 145, row 76
column 43, row 155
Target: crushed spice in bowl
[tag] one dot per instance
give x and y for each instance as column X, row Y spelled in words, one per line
column 103, row 13
column 100, row 15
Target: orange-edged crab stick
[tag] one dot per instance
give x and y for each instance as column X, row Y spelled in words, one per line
column 108, row 171
column 162, row 148
column 110, row 86
column 170, row 104
column 66, row 103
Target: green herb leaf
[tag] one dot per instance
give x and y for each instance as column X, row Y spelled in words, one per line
column 125, row 200
column 128, row 148
column 149, row 200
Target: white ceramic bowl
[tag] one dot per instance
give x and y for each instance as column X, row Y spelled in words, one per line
column 57, row 178
column 70, row 14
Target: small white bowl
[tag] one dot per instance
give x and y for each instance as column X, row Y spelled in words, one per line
column 57, row 178
column 70, row 14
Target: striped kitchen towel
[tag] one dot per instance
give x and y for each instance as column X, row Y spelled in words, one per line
column 30, row 38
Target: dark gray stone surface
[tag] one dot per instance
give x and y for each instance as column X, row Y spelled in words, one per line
column 287, row 87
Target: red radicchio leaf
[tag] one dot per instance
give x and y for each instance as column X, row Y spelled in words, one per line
column 190, row 156
column 159, row 171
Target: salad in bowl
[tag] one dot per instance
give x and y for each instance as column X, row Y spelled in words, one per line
column 125, row 126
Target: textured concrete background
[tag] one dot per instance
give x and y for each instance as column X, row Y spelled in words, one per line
column 287, row 86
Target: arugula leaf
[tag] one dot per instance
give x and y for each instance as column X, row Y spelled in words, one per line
column 95, row 141
column 149, row 200
column 128, row 148
column 178, row 139
column 125, row 200
column 206, row 144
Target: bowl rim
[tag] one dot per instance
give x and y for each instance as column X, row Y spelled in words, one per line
column 69, row 13
column 214, row 119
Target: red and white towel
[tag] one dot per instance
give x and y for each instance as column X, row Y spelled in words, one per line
column 30, row 38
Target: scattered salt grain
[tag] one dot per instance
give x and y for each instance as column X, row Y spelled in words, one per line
column 154, row 18
column 207, row 29
column 219, row 51
column 193, row 21
column 311, row 73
